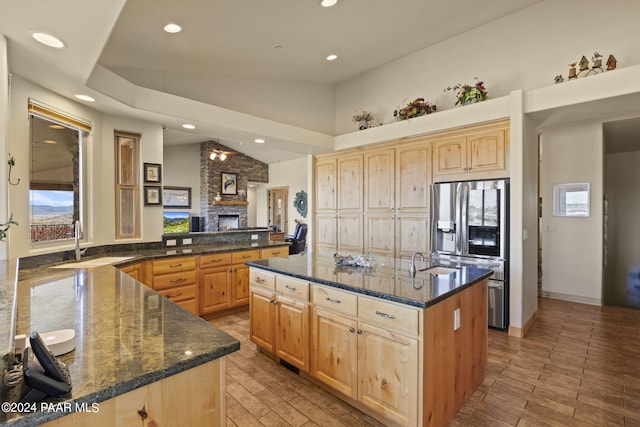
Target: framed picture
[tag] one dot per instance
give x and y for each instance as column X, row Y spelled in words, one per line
column 228, row 183
column 152, row 196
column 176, row 197
column 153, row 173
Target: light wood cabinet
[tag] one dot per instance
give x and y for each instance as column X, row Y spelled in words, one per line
column 379, row 232
column 412, row 234
column 350, row 233
column 182, row 399
column 326, row 185
column 215, row 289
column 379, row 181
column 274, row 252
column 349, row 184
column 134, row 270
column 326, row 234
column 176, row 279
column 478, row 155
column 279, row 319
column 240, row 276
column 413, row 176
column 371, row 357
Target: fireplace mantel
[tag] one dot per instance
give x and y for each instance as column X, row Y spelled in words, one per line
column 230, row 203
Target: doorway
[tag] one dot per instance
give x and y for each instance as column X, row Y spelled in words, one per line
column 278, row 208
column 621, row 226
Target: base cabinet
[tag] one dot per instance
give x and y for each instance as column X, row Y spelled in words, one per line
column 375, row 366
column 182, row 399
column 279, row 317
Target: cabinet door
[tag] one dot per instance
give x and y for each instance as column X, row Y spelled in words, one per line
column 350, row 189
column 412, row 234
column 326, row 234
column 379, row 182
column 135, row 271
column 379, row 234
column 413, row 176
column 215, row 288
column 487, row 152
column 292, row 332
column 350, row 234
column 450, row 156
column 334, row 348
column 262, row 319
column 326, row 185
column 388, row 373
column 239, row 285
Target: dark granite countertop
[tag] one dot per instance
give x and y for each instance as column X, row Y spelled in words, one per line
column 127, row 335
column 389, row 280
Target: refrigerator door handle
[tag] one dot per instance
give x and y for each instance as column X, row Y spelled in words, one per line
column 463, row 248
column 459, row 217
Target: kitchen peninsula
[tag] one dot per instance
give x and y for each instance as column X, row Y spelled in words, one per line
column 137, row 355
column 410, row 349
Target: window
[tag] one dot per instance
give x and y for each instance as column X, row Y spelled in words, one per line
column 127, row 185
column 571, row 199
column 56, row 173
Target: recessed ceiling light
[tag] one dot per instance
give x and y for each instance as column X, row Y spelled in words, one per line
column 328, row 3
column 48, row 40
column 332, row 57
column 259, row 141
column 188, row 126
column 85, row 98
column 172, row 28
column 49, row 141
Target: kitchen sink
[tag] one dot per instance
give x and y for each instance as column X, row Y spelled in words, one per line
column 93, row 263
column 437, row 270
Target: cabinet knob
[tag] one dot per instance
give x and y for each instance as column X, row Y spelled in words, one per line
column 351, row 329
column 359, row 331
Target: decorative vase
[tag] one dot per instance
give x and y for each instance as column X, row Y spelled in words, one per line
column 469, row 101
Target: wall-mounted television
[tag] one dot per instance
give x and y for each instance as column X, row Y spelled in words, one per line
column 175, row 222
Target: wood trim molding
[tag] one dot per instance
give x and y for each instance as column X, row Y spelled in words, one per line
column 517, row 332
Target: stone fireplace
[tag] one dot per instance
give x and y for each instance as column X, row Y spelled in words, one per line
column 246, row 169
column 228, row 222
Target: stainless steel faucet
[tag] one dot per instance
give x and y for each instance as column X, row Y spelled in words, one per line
column 76, row 234
column 412, row 266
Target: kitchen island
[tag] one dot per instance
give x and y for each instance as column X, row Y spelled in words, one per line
column 139, row 358
column 407, row 348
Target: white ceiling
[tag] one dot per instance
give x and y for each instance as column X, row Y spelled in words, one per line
column 225, row 38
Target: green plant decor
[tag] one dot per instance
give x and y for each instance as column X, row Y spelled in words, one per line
column 469, row 94
column 416, row 108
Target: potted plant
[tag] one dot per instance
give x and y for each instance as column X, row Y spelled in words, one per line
column 417, row 107
column 4, row 228
column 469, row 94
column 363, row 118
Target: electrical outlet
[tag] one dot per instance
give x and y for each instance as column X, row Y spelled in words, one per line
column 171, row 242
column 187, row 241
column 254, row 237
column 456, row 319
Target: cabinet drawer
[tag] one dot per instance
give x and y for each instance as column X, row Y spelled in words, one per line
column 240, row 257
column 392, row 316
column 291, row 287
column 190, row 305
column 172, row 265
column 335, row 299
column 262, row 278
column 174, row 279
column 180, row 293
column 215, row 260
column 274, row 252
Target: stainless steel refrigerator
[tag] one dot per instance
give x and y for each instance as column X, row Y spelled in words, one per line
column 470, row 223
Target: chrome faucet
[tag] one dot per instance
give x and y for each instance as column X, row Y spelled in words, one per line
column 412, row 266
column 76, row 233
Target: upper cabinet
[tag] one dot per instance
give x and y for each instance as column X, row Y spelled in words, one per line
column 326, row 175
column 478, row 153
column 379, row 180
column 413, row 175
column 350, row 177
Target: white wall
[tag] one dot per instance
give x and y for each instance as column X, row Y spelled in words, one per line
column 292, row 174
column 4, row 132
column 181, row 168
column 524, row 50
column 571, row 246
column 100, row 204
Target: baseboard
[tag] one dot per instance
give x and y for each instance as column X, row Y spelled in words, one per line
column 571, row 298
column 517, row 332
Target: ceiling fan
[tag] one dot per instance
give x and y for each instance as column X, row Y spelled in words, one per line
column 220, row 154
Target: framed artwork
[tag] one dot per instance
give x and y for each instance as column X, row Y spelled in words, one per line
column 152, row 195
column 176, row 197
column 153, row 173
column 229, row 183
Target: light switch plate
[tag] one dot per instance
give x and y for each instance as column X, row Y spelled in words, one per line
column 254, row 237
column 171, row 242
column 187, row 241
column 456, row 319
